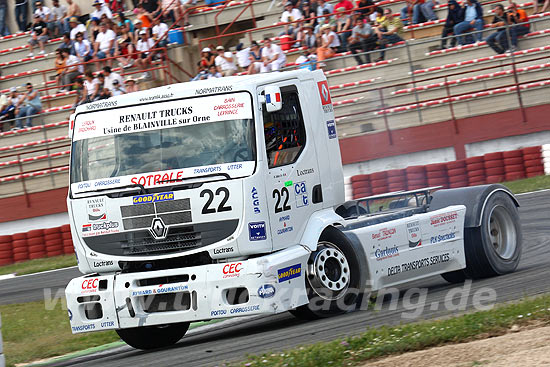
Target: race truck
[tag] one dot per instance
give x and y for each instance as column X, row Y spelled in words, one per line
column 225, row 197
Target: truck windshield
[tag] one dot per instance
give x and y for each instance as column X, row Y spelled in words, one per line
column 164, row 150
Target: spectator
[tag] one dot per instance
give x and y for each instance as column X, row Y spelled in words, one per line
column 93, row 29
column 4, row 29
column 306, row 60
column 243, row 57
column 83, row 48
column 413, row 7
column 100, row 9
column 111, row 77
column 104, row 43
column 473, row 18
column 329, row 45
column 59, row 64
column 124, row 48
column 170, row 9
column 185, row 6
column 160, row 32
column 201, row 73
column 150, row 5
column 43, row 11
column 76, row 27
column 545, row 5
column 66, row 42
column 131, row 85
column 324, row 5
column 273, row 58
column 7, row 107
column 366, row 8
column 92, row 86
column 497, row 41
column 428, row 10
column 104, row 93
column 72, row 70
column 255, row 57
column 389, row 31
column 57, row 15
column 29, row 105
column 137, row 28
column 144, row 45
column 306, row 38
column 117, row 6
column 213, row 72
column 291, row 14
column 326, row 19
column 145, row 17
column 362, row 38
column 519, row 18
column 117, row 88
column 213, row 2
column 224, row 62
column 39, row 34
column 343, row 26
column 73, row 11
column 207, row 58
column 309, row 12
column 454, row 16
column 121, row 21
column 81, row 93
column 379, row 16
column 21, row 10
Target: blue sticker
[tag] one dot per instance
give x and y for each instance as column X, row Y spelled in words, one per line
column 290, row 272
column 70, row 315
column 256, row 231
column 331, row 126
column 266, row 291
column 153, row 198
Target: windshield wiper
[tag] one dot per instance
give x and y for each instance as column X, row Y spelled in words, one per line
column 135, row 185
column 193, row 177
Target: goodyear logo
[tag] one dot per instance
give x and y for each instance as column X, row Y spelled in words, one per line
column 153, row 198
column 289, row 272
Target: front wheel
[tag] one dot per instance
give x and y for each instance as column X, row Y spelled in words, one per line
column 153, row 337
column 332, row 278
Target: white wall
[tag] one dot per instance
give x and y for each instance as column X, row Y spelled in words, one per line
column 511, row 143
column 25, row 225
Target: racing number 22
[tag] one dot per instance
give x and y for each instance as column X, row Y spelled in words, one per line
column 206, row 209
column 283, row 194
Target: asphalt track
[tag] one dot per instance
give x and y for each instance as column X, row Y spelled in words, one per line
column 214, row 345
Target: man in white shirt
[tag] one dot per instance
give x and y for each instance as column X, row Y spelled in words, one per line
column 72, row 71
column 43, row 11
column 110, row 78
column 144, row 44
column 77, row 27
column 291, row 14
column 100, row 9
column 243, row 56
column 272, row 56
column 103, row 45
column 160, row 30
column 224, row 62
column 117, row 89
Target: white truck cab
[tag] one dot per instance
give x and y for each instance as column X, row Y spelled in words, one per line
column 225, row 197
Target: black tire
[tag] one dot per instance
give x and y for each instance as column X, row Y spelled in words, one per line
column 153, row 337
column 324, row 302
column 495, row 247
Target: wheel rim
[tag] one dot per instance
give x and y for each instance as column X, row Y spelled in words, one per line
column 329, row 272
column 502, row 232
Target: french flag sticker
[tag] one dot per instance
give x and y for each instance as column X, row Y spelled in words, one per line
column 277, row 98
column 86, row 227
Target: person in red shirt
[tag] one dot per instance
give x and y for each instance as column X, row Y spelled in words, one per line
column 344, row 4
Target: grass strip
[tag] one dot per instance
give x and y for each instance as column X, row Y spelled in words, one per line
column 528, row 184
column 385, row 341
column 38, row 265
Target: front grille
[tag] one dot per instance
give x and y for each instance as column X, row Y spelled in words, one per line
column 141, row 215
column 138, row 222
column 180, row 301
column 176, row 218
column 137, row 210
column 178, row 239
column 173, row 206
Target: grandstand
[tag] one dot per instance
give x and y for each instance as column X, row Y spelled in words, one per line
column 419, row 98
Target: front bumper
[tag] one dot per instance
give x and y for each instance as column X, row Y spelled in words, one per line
column 274, row 283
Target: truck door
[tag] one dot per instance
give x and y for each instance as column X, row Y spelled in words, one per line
column 293, row 187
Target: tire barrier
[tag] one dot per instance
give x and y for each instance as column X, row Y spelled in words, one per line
column 20, row 247
column 67, row 239
column 6, row 250
column 53, row 242
column 35, row 242
column 480, row 170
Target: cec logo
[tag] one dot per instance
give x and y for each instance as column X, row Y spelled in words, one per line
column 232, row 270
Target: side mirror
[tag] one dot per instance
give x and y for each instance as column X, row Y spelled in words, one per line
column 273, row 99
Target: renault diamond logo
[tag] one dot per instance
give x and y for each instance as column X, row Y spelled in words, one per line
column 158, row 229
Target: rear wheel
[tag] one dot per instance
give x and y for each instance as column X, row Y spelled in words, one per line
column 332, row 278
column 153, row 337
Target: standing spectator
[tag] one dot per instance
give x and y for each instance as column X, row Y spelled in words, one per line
column 546, row 5
column 29, row 105
column 273, row 57
column 117, row 88
column 255, row 57
column 81, row 93
column 454, row 16
column 362, row 38
column 111, row 77
column 77, row 27
column 100, row 9
column 92, row 86
column 324, row 5
column 144, row 45
column 473, row 18
column 243, row 56
column 389, row 31
column 57, row 15
column 131, row 85
column 521, row 27
column 413, row 7
column 160, row 32
column 213, row 72
column 83, row 48
column 21, row 10
column 104, row 44
column 497, row 41
column 291, row 14
column 329, row 45
column 4, row 30
column 73, row 11
column 39, row 34
column 224, row 62
column 72, row 70
column 59, row 64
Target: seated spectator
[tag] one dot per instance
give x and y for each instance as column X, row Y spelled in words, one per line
column 93, row 29
column 21, row 11
column 170, row 10
column 207, row 58
column 83, row 48
column 43, row 11
column 497, row 41
column 185, row 6
column 329, row 45
column 100, row 9
column 308, row 12
column 29, row 105
column 243, row 56
column 454, row 16
column 413, row 7
column 473, row 18
column 160, row 32
column 73, row 11
column 121, row 21
column 326, row 19
column 306, row 38
column 72, row 70
column 202, row 72
column 138, row 25
column 428, row 10
column 7, row 107
column 110, row 78
column 324, row 5
column 104, row 93
column 224, row 62
column 545, row 6
column 131, row 85
column 39, row 34
column 291, row 14
column 213, row 72
column 343, row 26
column 306, row 60
column 362, row 38
column 66, row 42
column 150, row 5
column 273, row 58
column 389, row 31
column 366, row 8
column 124, row 48
column 117, row 89
column 57, row 15
column 145, row 17
column 144, row 45
column 59, row 64
column 104, row 44
column 117, row 6
column 379, row 16
column 81, row 93
column 255, row 57
column 76, row 27
column 92, row 86
column 519, row 18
